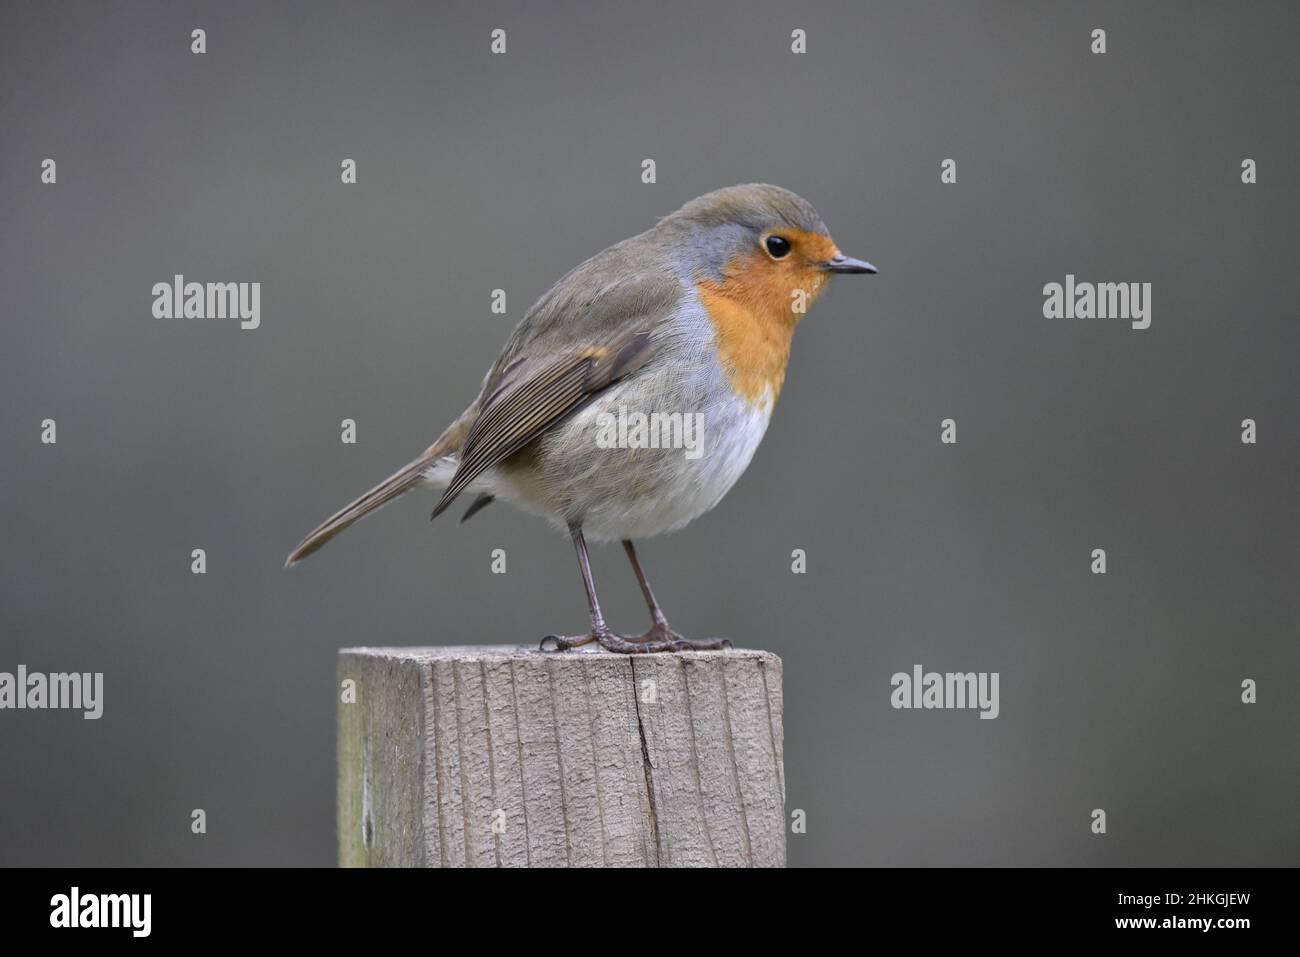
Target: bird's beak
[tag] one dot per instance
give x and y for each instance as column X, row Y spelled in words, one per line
column 848, row 264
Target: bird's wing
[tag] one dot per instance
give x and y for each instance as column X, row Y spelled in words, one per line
column 599, row 323
column 528, row 404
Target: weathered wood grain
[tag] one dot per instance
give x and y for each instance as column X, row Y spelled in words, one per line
column 508, row 757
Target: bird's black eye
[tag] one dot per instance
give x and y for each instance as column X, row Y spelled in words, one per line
column 778, row 247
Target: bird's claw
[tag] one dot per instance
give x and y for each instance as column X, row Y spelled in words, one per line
column 553, row 643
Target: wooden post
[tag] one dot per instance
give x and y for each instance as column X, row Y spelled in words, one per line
column 505, row 756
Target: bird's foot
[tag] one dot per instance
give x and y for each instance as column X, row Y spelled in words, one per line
column 660, row 638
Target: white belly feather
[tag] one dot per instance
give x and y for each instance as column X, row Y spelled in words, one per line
column 637, row 493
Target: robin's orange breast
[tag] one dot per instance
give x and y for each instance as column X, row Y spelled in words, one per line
column 754, row 310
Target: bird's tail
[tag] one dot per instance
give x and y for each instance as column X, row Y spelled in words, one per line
column 379, row 496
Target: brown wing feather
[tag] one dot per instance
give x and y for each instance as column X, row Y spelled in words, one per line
column 516, row 416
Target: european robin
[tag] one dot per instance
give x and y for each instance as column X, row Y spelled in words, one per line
column 691, row 321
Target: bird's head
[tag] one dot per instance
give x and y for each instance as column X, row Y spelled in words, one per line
column 758, row 257
column 761, row 245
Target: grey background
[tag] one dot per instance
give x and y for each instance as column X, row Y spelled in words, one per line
column 480, row 171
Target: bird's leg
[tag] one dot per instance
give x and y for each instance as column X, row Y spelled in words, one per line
column 599, row 630
column 659, row 627
column 663, row 640
column 660, row 635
